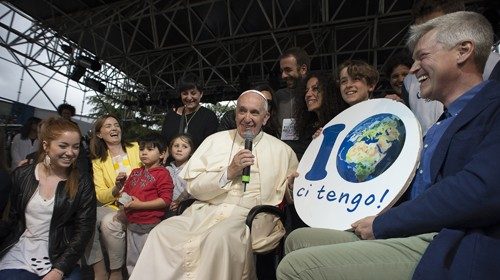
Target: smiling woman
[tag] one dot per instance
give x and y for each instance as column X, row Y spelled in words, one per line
column 52, row 210
column 191, row 118
column 396, row 69
column 112, row 161
column 322, row 103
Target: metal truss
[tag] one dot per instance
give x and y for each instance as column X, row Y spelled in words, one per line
column 148, row 45
column 36, row 48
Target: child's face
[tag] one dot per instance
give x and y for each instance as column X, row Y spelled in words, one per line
column 354, row 90
column 180, row 150
column 150, row 156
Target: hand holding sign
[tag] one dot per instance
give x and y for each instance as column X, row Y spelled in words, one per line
column 364, row 228
column 360, row 164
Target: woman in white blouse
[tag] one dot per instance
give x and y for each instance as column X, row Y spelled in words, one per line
column 25, row 142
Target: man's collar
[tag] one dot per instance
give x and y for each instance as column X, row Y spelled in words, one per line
column 256, row 139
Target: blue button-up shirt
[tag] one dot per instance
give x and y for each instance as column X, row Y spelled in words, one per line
column 422, row 179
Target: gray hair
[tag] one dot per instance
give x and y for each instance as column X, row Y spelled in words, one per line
column 455, row 28
column 264, row 104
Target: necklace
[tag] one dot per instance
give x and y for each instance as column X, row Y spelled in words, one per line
column 47, row 182
column 190, row 118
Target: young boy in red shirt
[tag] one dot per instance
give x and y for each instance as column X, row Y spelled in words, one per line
column 146, row 194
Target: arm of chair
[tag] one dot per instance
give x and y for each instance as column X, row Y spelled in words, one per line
column 264, row 209
column 184, row 205
column 274, row 211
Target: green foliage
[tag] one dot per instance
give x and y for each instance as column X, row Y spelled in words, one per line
column 136, row 123
column 140, row 121
column 221, row 107
column 104, row 105
column 133, row 131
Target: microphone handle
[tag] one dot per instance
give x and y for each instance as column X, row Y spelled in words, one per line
column 245, row 177
column 248, row 144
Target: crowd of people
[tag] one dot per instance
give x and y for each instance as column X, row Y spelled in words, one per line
column 112, row 205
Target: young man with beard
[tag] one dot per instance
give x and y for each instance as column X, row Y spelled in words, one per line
column 294, row 65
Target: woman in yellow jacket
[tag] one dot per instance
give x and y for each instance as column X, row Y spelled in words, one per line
column 112, row 160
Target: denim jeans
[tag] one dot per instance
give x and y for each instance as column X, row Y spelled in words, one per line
column 21, row 274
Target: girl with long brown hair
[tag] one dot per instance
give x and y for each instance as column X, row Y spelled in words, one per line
column 52, row 210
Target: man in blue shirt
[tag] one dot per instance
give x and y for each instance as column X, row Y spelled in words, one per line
column 427, row 111
column 449, row 227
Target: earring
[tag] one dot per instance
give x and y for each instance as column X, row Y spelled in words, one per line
column 46, row 161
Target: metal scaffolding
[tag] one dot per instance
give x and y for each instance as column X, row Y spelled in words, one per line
column 146, row 46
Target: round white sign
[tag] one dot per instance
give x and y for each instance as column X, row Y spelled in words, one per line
column 362, row 162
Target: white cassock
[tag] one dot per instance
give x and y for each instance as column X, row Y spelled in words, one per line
column 210, row 239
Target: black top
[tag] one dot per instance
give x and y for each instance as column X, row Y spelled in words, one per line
column 200, row 124
column 285, row 105
column 286, row 101
column 72, row 224
column 228, row 121
column 5, row 186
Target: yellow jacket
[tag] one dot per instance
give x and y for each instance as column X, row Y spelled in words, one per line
column 105, row 175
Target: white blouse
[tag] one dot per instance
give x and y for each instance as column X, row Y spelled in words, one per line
column 31, row 252
column 20, row 148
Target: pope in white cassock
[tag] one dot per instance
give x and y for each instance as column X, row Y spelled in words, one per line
column 210, row 239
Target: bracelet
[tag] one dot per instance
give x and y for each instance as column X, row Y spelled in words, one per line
column 58, row 272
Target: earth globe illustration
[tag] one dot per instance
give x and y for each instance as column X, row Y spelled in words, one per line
column 370, row 148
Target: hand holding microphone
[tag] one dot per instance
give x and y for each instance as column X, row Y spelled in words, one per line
column 245, row 176
column 241, row 160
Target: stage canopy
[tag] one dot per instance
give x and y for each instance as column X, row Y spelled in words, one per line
column 136, row 51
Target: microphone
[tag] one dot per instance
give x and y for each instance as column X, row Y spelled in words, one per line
column 245, row 176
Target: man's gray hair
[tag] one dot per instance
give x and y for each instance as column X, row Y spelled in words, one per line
column 454, row 28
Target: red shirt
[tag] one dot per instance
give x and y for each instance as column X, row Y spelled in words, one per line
column 147, row 185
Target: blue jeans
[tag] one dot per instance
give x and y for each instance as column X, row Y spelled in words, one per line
column 21, row 274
